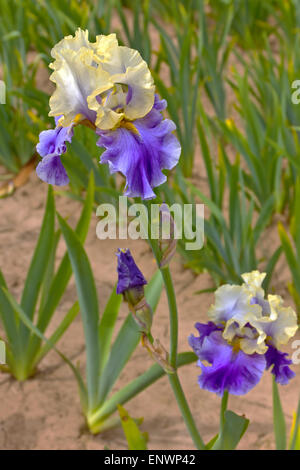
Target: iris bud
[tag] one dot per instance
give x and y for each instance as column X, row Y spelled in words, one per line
column 131, row 284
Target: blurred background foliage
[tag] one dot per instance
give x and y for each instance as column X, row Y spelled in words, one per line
column 226, row 68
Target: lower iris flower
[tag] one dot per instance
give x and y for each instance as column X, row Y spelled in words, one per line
column 243, row 338
column 140, row 150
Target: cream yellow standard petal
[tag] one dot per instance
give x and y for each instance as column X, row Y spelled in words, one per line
column 76, row 78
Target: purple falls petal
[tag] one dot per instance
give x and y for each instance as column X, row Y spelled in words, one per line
column 129, row 275
column 53, row 141
column 230, row 370
column 52, row 144
column 141, row 156
column 51, row 170
column 205, row 329
column 281, row 370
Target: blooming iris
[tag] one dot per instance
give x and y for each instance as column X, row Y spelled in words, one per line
column 243, row 338
column 131, row 284
column 110, row 89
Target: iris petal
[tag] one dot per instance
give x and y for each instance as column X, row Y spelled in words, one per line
column 280, row 365
column 140, row 152
column 281, row 325
column 52, row 141
column 76, row 75
column 230, row 370
column 125, row 67
column 51, row 170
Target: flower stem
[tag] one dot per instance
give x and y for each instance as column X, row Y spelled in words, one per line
column 185, row 411
column 224, row 403
column 173, row 378
column 173, row 314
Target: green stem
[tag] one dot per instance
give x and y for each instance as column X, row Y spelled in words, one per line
column 224, row 403
column 173, row 378
column 173, row 314
column 185, row 411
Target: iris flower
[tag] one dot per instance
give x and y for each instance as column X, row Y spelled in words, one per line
column 243, row 338
column 108, row 88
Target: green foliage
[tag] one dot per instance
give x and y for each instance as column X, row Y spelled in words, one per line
column 280, row 425
column 232, row 432
column 22, row 115
column 278, row 418
column 249, row 152
column 43, row 290
column 103, row 371
column 135, row 438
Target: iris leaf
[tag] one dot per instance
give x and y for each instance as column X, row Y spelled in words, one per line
column 233, row 430
column 88, row 301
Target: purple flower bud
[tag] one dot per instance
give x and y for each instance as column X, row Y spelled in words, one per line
column 131, row 284
column 129, row 275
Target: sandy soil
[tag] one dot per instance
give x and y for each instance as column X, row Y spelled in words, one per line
column 45, row 413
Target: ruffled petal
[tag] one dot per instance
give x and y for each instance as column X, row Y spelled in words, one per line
column 51, row 170
column 140, row 151
column 134, row 72
column 230, row 370
column 132, row 96
column 254, row 279
column 76, row 75
column 277, row 359
column 53, row 141
column 204, row 329
column 74, row 43
column 281, row 325
column 233, row 303
column 105, row 47
column 253, row 282
column 47, row 142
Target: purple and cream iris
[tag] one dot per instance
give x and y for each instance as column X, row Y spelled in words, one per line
column 108, row 88
column 243, row 338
